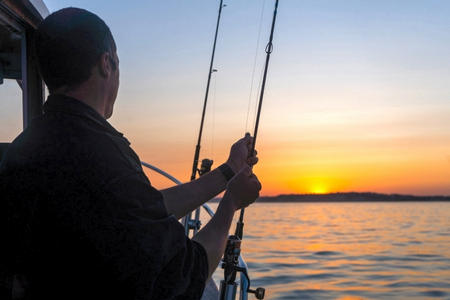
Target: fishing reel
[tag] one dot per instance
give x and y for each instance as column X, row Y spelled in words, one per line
column 195, row 224
column 230, row 264
column 205, row 166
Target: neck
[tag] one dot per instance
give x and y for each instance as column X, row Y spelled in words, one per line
column 89, row 94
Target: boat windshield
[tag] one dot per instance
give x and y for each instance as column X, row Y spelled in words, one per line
column 10, row 110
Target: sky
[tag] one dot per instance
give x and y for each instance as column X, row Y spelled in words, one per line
column 357, row 95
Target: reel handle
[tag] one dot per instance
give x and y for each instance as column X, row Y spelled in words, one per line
column 259, row 292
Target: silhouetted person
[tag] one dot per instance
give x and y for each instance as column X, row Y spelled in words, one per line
column 80, row 220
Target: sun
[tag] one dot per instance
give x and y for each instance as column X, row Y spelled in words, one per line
column 319, row 189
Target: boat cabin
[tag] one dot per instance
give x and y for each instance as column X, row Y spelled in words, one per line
column 20, row 83
column 21, row 87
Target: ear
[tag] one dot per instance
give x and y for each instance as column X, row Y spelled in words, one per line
column 104, row 65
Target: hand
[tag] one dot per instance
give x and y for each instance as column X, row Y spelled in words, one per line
column 243, row 189
column 240, row 154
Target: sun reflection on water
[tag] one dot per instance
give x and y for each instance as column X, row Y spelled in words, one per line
column 348, row 250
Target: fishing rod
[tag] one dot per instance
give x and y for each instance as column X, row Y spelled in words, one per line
column 206, row 163
column 230, row 259
column 269, row 49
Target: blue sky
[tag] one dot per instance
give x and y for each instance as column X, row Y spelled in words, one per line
column 351, row 83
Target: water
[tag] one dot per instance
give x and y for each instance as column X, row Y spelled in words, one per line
column 348, row 250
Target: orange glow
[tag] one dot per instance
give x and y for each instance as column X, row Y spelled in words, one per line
column 316, row 162
column 319, row 188
column 297, row 170
column 302, row 236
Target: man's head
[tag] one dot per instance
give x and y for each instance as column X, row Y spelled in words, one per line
column 76, row 51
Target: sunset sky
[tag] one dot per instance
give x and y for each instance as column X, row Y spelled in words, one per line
column 357, row 98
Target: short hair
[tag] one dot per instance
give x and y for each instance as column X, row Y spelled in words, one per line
column 68, row 44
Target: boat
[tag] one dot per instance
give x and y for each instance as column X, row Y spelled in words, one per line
column 18, row 21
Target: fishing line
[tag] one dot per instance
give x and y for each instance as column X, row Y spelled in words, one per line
column 269, row 49
column 213, row 113
column 230, row 260
column 255, row 108
column 211, row 70
column 187, row 221
column 254, row 65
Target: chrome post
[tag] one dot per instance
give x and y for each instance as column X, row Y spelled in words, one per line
column 227, row 291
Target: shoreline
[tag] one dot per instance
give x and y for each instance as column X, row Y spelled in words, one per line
column 346, row 197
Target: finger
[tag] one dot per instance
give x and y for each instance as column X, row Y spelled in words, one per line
column 248, row 138
column 258, row 185
column 244, row 139
column 256, row 196
column 256, row 182
column 250, row 155
column 252, row 161
column 246, row 170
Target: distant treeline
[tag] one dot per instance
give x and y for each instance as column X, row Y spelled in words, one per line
column 348, row 197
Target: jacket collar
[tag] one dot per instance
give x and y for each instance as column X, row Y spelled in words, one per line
column 69, row 105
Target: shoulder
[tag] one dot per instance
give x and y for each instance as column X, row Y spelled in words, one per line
column 82, row 148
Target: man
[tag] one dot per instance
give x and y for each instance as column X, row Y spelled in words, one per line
column 82, row 220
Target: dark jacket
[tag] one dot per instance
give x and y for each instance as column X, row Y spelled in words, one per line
column 80, row 220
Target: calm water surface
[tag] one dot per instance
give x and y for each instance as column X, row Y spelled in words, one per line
column 348, row 250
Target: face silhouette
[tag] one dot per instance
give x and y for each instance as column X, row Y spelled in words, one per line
column 113, row 85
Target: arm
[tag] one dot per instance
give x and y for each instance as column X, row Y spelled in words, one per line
column 242, row 190
column 181, row 199
column 213, row 237
column 142, row 248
